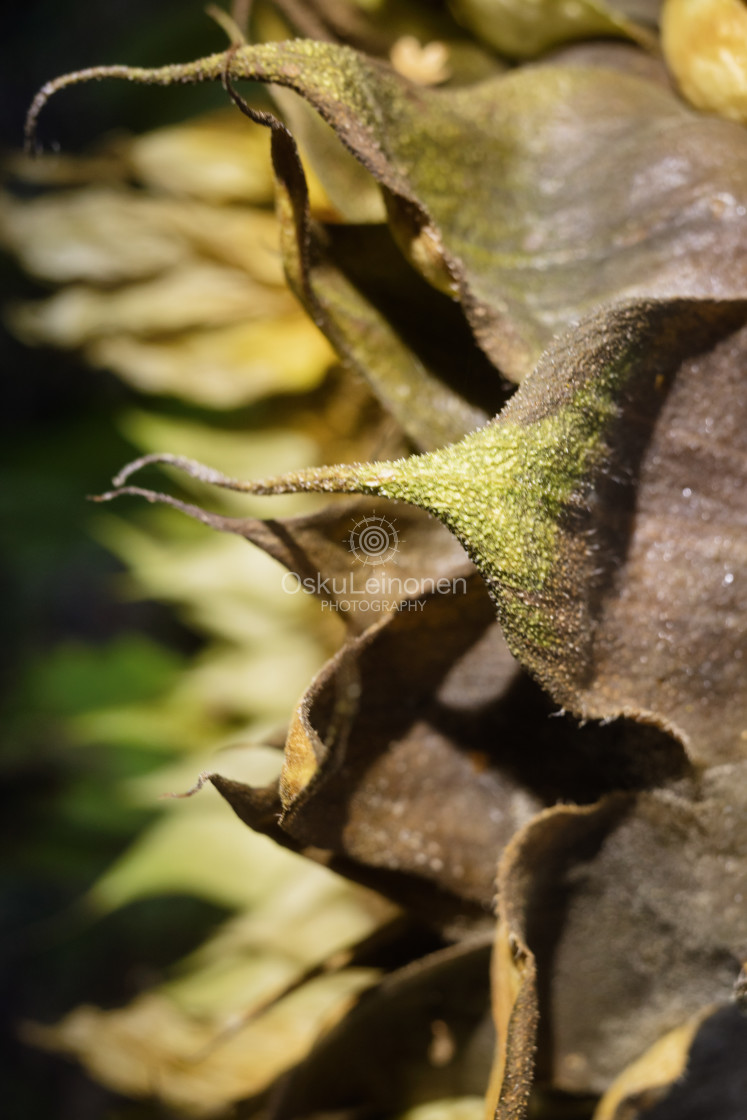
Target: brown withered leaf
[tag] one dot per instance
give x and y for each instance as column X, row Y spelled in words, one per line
column 606, row 508
column 352, row 191
column 383, row 772
column 423, row 1034
column 670, row 635
column 647, row 11
column 516, row 1014
column 537, row 195
column 407, row 766
column 532, row 197
column 378, row 768
column 377, row 29
column 610, row 54
column 422, row 42
column 642, row 895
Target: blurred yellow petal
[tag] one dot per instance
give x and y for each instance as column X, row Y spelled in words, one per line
column 310, row 920
column 109, row 235
column 263, row 650
column 178, row 722
column 426, row 64
column 219, row 158
column 660, row 1066
column 198, row 294
column 454, row 1108
column 179, row 288
column 233, row 235
column 705, row 47
column 152, row 1048
column 205, row 315
column 226, row 367
column 94, row 234
column 195, row 848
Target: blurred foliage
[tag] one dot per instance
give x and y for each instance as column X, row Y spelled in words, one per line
column 104, row 690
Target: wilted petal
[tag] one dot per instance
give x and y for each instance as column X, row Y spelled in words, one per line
column 516, row 1014
column 153, row 1049
column 643, row 897
column 713, row 1084
column 421, row 748
column 651, row 1076
column 319, row 552
column 231, row 1017
column 222, row 367
column 378, row 771
column 197, row 294
column 605, row 507
column 538, row 195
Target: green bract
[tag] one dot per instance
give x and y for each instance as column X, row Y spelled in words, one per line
column 613, row 563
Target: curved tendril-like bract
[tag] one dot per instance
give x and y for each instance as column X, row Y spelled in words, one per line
column 204, row 70
column 554, row 501
column 342, row 479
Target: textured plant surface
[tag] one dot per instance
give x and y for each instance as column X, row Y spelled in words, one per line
column 528, row 759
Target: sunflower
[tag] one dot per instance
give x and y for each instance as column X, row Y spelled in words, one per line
column 526, row 236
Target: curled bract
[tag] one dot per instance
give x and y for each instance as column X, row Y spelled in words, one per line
column 614, row 560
